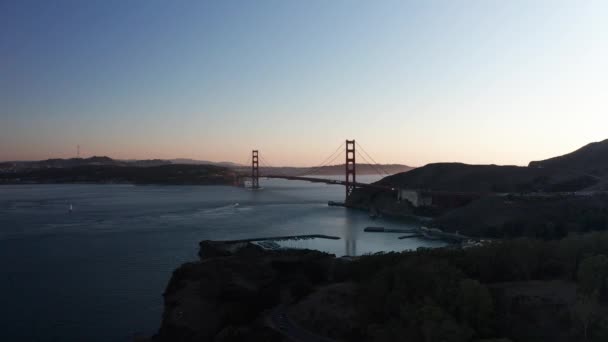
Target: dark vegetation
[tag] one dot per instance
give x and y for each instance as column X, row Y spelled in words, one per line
column 163, row 174
column 516, row 290
column 522, row 290
column 543, row 217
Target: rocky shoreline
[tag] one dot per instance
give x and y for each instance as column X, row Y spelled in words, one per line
column 232, row 291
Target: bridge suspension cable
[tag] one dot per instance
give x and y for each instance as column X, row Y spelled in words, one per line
column 330, row 159
column 248, row 162
column 373, row 166
column 317, row 169
column 266, row 165
column 258, row 162
column 265, row 162
column 372, row 159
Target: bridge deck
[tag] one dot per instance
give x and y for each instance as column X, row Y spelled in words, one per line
column 330, row 181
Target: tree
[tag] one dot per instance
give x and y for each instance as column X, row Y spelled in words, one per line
column 585, row 310
column 593, row 276
column 437, row 325
column 592, row 281
column 475, row 307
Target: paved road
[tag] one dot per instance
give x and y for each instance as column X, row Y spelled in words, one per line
column 283, row 324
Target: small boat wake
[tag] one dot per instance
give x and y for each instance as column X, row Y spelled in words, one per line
column 225, row 209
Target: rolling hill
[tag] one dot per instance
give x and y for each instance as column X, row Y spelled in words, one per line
column 583, row 169
column 591, row 159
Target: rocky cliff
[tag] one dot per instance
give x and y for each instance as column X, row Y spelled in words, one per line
column 230, row 293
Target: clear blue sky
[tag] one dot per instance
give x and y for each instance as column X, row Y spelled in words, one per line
column 501, row 82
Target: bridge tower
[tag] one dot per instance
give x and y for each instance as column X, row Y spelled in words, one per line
column 350, row 179
column 255, row 170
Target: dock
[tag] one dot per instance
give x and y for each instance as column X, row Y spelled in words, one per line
column 387, row 230
column 410, row 236
column 284, row 238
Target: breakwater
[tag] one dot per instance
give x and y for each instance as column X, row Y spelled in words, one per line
column 284, row 238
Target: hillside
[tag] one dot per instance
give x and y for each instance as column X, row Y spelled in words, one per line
column 487, row 178
column 583, row 169
column 591, row 159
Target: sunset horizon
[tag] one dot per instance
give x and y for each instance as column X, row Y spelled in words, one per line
column 477, row 82
column 82, row 154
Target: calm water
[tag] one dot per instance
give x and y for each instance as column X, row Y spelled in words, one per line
column 98, row 274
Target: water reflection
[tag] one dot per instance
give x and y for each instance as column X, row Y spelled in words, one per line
column 350, row 239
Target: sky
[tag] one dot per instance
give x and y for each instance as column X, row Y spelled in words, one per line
column 414, row 82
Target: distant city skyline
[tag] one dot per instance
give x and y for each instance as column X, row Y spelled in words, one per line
column 481, row 82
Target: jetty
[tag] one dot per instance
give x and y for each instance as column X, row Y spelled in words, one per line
column 410, row 236
column 284, row 238
column 387, row 230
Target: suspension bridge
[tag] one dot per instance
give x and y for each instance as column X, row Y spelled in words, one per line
column 260, row 168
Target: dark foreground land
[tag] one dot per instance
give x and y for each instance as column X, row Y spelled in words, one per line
column 516, row 290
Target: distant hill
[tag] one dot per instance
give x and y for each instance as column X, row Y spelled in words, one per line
column 331, row 170
column 203, row 162
column 77, row 162
column 591, row 159
column 59, row 163
column 103, row 160
column 159, row 174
